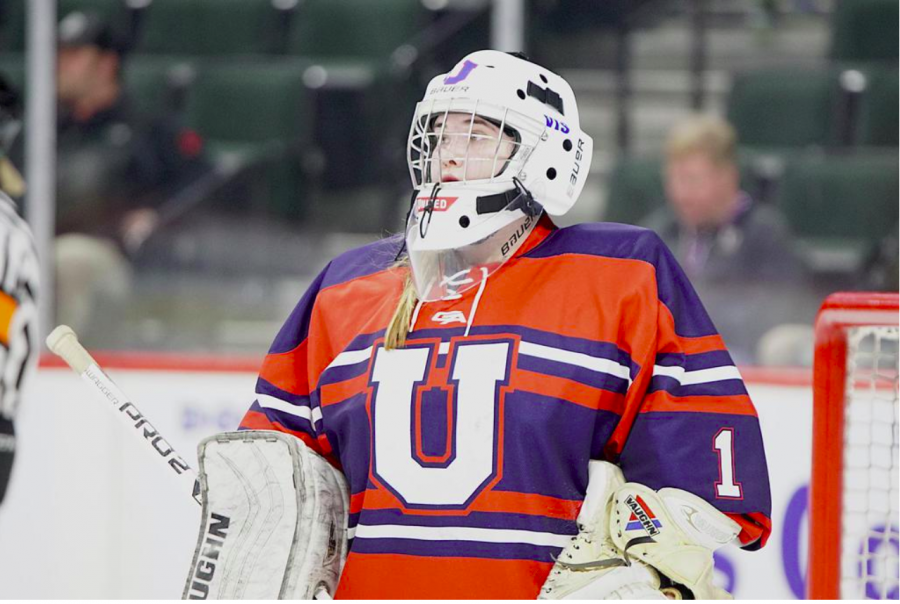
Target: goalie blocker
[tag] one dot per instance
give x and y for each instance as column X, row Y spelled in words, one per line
column 274, row 520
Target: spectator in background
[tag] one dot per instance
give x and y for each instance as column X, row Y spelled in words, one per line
column 737, row 252
column 115, row 168
column 718, row 233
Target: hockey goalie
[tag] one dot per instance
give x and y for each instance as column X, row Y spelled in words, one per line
column 518, row 410
column 275, row 526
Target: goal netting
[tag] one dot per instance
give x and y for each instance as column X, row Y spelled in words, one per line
column 869, row 529
column 855, row 495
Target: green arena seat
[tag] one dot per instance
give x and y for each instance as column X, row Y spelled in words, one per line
column 12, row 66
column 157, row 84
column 241, row 27
column 350, row 43
column 112, row 10
column 879, row 119
column 840, row 206
column 250, row 101
column 635, row 190
column 213, row 27
column 353, row 30
column 258, row 113
column 12, row 26
column 168, row 27
column 784, row 107
column 865, row 30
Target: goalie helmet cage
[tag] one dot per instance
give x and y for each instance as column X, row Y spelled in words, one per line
column 854, row 494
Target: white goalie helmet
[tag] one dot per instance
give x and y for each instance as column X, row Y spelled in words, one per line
column 492, row 144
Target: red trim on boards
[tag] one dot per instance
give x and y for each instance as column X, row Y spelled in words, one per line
column 151, row 361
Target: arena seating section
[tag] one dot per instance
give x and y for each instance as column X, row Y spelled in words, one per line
column 822, row 144
column 255, row 78
column 258, row 78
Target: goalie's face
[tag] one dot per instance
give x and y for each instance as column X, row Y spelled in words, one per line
column 467, row 147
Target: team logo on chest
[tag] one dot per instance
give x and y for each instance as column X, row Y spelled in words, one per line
column 436, row 426
column 446, row 317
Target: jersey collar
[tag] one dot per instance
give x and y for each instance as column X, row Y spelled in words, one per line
column 541, row 231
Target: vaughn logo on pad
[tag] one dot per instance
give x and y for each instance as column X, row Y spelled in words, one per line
column 209, row 557
column 642, row 516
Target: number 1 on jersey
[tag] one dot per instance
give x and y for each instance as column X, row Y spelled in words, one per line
column 726, row 486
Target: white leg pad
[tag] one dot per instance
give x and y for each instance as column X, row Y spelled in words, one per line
column 274, row 519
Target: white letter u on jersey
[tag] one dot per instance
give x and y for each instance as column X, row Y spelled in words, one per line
column 478, row 371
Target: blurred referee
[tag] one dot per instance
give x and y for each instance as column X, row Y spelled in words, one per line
column 18, row 288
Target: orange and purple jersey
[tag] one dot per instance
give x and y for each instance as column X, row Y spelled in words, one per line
column 467, row 450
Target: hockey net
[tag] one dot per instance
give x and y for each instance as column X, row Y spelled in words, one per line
column 854, row 498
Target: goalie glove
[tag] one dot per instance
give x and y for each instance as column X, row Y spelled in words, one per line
column 673, row 531
column 591, row 566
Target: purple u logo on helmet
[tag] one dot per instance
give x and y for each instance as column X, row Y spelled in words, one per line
column 464, row 72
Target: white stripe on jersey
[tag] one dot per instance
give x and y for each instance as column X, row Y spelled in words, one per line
column 698, row 376
column 560, row 355
column 578, row 359
column 350, row 357
column 457, row 533
column 270, row 402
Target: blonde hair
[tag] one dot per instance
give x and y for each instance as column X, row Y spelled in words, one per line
column 398, row 327
column 708, row 135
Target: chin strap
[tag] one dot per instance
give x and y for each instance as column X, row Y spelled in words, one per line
column 427, row 211
column 425, row 221
column 514, row 199
column 412, row 207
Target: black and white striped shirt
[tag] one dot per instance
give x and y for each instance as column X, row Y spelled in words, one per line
column 19, row 284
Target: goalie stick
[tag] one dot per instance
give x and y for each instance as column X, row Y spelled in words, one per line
column 297, row 513
column 63, row 342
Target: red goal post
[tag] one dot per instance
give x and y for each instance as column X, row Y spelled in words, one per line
column 853, row 498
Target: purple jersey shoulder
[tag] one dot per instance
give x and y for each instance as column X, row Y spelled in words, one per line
column 363, row 261
column 350, row 265
column 614, row 240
